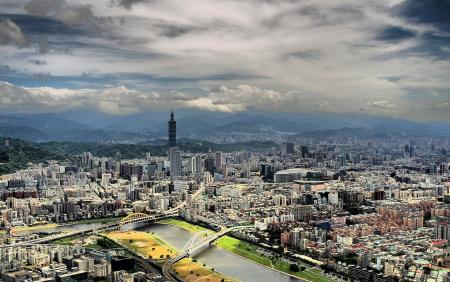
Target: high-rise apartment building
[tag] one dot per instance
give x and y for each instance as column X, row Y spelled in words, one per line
column 219, row 160
column 175, row 162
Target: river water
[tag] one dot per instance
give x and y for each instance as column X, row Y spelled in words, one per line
column 222, row 261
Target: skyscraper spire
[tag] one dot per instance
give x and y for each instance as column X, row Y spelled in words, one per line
column 172, row 131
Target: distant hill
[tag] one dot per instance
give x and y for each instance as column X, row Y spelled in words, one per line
column 128, row 151
column 21, row 153
column 142, row 128
column 381, row 131
column 50, row 127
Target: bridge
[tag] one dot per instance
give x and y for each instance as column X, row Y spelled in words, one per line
column 199, row 242
column 130, row 219
column 141, row 217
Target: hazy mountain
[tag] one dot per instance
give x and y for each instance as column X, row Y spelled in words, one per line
column 143, row 127
column 51, row 127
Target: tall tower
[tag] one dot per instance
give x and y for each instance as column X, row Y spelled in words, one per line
column 172, row 131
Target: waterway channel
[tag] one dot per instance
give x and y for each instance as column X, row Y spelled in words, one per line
column 222, row 261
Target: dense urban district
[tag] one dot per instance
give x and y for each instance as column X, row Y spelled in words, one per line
column 306, row 209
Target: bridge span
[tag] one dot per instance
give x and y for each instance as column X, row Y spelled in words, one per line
column 130, row 219
column 193, row 247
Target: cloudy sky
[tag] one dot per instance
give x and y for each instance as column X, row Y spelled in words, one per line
column 384, row 57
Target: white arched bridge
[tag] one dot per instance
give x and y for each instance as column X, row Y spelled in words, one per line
column 199, row 242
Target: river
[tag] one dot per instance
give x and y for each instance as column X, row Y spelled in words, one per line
column 222, row 261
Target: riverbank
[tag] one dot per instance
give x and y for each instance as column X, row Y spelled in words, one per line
column 35, row 227
column 156, row 249
column 69, row 223
column 185, row 225
column 250, row 252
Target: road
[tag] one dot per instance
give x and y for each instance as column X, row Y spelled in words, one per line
column 109, row 226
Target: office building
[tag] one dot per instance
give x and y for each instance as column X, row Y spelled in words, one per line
column 287, row 148
column 172, row 131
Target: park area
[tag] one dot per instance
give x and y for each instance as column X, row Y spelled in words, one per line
column 156, row 249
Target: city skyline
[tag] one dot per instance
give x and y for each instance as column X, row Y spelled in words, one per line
column 388, row 58
column 224, row 140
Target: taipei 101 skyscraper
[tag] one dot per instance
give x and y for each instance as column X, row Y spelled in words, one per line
column 172, row 131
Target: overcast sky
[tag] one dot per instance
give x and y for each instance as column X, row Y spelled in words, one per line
column 384, row 57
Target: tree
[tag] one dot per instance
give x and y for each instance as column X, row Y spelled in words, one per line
column 293, row 267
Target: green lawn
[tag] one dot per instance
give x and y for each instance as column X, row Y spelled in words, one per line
column 66, row 241
column 248, row 251
column 310, row 274
column 243, row 249
column 94, row 220
column 71, row 240
column 183, row 224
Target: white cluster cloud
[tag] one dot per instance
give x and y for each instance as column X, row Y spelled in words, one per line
column 121, row 100
column 270, row 55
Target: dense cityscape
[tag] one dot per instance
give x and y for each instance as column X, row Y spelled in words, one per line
column 224, row 140
column 317, row 211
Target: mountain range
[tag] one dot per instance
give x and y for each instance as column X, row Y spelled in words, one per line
column 224, row 127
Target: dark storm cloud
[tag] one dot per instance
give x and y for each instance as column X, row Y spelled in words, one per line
column 43, row 26
column 38, row 62
column 310, row 55
column 71, row 14
column 11, row 34
column 43, row 46
column 174, row 31
column 128, row 3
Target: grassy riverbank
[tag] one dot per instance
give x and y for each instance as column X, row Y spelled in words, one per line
column 87, row 241
column 35, row 227
column 153, row 247
column 54, row 225
column 249, row 251
column 183, row 224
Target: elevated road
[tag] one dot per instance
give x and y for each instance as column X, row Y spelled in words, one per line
column 133, row 218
